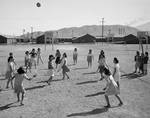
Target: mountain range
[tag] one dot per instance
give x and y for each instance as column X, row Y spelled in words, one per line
column 95, row 30
column 144, row 27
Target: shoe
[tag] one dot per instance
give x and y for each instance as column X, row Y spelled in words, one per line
column 104, row 89
column 48, row 82
column 120, row 104
column 107, row 106
column 21, row 104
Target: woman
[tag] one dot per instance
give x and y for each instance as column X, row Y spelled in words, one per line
column 18, row 83
column 102, row 63
column 116, row 72
column 57, row 56
column 39, row 57
column 111, row 88
column 64, row 67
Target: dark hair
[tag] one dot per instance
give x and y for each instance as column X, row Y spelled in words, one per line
column 90, row 50
column 10, row 54
column 102, row 52
column 10, row 58
column 51, row 57
column 146, row 53
column 75, row 49
column 33, row 49
column 116, row 60
column 106, row 71
column 27, row 52
column 65, row 55
column 21, row 70
column 38, row 49
column 137, row 52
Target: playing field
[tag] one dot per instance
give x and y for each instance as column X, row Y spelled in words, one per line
column 82, row 95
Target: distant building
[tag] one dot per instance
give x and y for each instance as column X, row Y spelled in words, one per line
column 41, row 40
column 8, row 39
column 131, row 39
column 3, row 40
column 84, row 39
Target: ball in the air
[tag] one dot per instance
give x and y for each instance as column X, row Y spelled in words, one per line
column 38, row 4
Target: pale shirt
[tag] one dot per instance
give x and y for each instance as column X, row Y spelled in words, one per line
column 27, row 57
column 117, row 73
column 90, row 57
column 38, row 53
column 64, row 60
column 75, row 54
column 11, row 66
column 19, row 79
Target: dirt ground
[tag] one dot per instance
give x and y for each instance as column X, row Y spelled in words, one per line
column 82, row 95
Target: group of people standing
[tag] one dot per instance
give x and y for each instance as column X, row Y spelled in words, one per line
column 32, row 59
column 61, row 63
column 141, row 62
column 113, row 80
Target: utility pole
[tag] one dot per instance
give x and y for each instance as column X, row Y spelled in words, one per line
column 23, row 35
column 31, row 35
column 72, row 33
column 102, row 28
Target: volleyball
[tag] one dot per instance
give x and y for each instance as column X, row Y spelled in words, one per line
column 38, row 4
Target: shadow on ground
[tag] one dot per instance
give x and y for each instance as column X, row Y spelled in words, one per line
column 89, row 73
column 95, row 94
column 35, row 87
column 10, row 105
column 45, row 81
column 132, row 75
column 71, row 64
column 87, row 82
column 93, row 112
column 82, row 68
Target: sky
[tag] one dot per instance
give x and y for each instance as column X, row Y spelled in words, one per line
column 16, row 15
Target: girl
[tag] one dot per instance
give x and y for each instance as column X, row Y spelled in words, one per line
column 11, row 55
column 27, row 61
column 18, row 84
column 102, row 63
column 10, row 71
column 111, row 88
column 39, row 56
column 75, row 56
column 116, row 72
column 146, row 58
column 64, row 67
column 57, row 56
column 33, row 57
column 137, row 61
column 90, row 58
column 51, row 68
column 141, row 63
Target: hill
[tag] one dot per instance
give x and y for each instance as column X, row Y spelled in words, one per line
column 95, row 30
column 144, row 27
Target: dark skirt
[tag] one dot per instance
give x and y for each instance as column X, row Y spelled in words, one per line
column 101, row 68
column 57, row 61
column 65, row 69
